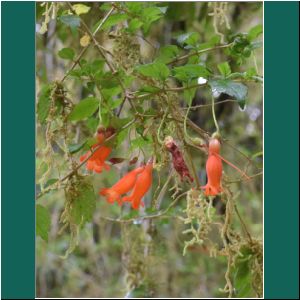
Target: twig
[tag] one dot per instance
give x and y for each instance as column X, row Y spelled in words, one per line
column 249, row 177
column 197, row 53
column 243, row 223
column 210, row 104
column 86, row 47
column 157, row 215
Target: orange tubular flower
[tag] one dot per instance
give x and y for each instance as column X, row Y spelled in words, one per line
column 141, row 187
column 213, row 169
column 96, row 162
column 123, row 186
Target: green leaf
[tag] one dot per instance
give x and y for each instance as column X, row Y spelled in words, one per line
column 108, row 81
column 214, row 41
column 83, row 203
column 189, row 94
column 134, row 7
column 43, row 222
column 42, row 168
column 242, row 276
column 236, row 90
column 224, row 69
column 115, row 103
column 121, row 136
column 155, row 70
column 255, row 32
column 190, row 38
column 84, row 109
column 43, row 105
column 250, row 73
column 148, row 89
column 106, row 6
column 70, row 20
column 73, row 148
column 50, row 182
column 81, row 9
column 134, row 25
column 66, row 53
column 149, row 15
column 92, row 123
column 94, row 68
column 140, row 142
column 189, row 72
column 118, row 123
column 113, row 20
column 110, row 92
column 167, row 54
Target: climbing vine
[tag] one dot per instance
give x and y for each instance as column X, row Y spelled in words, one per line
column 119, row 140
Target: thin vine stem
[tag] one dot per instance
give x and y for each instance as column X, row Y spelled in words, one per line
column 214, row 114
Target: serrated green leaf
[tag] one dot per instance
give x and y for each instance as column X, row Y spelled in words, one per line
column 224, row 69
column 81, row 9
column 66, row 53
column 189, row 72
column 155, row 70
column 43, row 222
column 43, row 105
column 236, row 90
column 255, row 32
column 84, row 109
column 167, row 54
column 114, row 20
column 70, row 20
column 83, row 203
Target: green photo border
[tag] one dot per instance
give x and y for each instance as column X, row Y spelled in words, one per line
column 281, row 149
column 281, row 146
column 18, row 150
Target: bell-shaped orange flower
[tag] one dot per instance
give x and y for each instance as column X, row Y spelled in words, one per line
column 124, row 185
column 141, row 187
column 213, row 169
column 96, row 162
